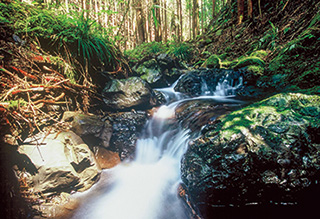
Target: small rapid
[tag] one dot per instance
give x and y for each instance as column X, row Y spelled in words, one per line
column 146, row 188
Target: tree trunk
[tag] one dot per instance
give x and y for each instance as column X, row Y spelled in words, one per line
column 240, row 11
column 140, row 22
column 165, row 22
column 157, row 26
column 250, row 9
column 181, row 21
column 195, row 18
column 213, row 8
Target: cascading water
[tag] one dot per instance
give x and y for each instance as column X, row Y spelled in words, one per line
column 146, row 188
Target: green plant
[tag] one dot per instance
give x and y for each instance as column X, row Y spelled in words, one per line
column 181, row 50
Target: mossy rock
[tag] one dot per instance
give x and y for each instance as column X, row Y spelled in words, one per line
column 255, row 69
column 226, row 64
column 247, row 152
column 247, row 61
column 213, row 62
column 259, row 53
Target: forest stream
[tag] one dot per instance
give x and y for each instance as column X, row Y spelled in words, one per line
column 159, row 109
column 147, row 187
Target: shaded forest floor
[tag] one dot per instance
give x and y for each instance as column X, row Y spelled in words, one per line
column 289, row 35
column 280, row 46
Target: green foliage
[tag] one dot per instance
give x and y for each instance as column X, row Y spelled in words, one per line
column 255, row 69
column 145, row 49
column 74, row 36
column 213, row 62
column 299, row 59
column 181, row 50
column 15, row 104
column 259, row 53
column 246, row 61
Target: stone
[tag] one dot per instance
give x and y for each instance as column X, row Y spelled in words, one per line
column 106, row 159
column 91, row 128
column 212, row 62
column 126, row 129
column 64, row 163
column 125, row 94
column 266, row 152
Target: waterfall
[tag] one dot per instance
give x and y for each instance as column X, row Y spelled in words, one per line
column 227, row 87
column 146, row 188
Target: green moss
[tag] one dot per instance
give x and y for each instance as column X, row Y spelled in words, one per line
column 278, row 113
column 256, row 69
column 226, row 64
column 259, row 53
column 213, row 62
column 15, row 104
column 246, row 61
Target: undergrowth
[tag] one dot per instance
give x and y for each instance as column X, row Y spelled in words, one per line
column 79, row 40
column 181, row 50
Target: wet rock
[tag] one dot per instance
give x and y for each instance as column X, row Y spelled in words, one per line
column 106, row 159
column 126, row 128
column 263, row 153
column 195, row 82
column 240, row 82
column 150, row 71
column 63, row 161
column 124, row 94
column 159, row 71
column 93, row 129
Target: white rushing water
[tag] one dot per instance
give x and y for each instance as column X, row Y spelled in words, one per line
column 146, row 188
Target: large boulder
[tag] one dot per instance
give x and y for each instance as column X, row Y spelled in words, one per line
column 159, row 71
column 131, row 93
column 126, row 129
column 93, row 129
column 268, row 152
column 63, row 162
column 221, row 82
column 196, row 82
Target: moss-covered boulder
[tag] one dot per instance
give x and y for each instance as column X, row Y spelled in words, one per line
column 159, row 71
column 267, row 152
column 125, row 94
column 247, row 61
column 262, row 54
column 255, row 69
column 212, row 62
column 150, row 71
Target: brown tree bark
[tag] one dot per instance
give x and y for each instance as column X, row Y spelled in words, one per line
column 165, row 22
column 213, row 8
column 157, row 25
column 240, row 11
column 195, row 18
column 250, row 9
column 140, row 23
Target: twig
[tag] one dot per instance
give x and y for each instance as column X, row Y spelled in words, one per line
column 285, row 5
column 11, row 74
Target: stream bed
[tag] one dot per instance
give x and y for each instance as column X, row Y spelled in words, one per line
column 147, row 186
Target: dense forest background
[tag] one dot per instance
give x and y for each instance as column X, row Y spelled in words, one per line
column 58, row 55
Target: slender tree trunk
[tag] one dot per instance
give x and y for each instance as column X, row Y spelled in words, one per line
column 250, row 9
column 213, row 8
column 195, row 18
column 165, row 22
column 240, row 11
column 259, row 6
column 157, row 25
column 181, row 20
column 202, row 16
column 140, row 22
